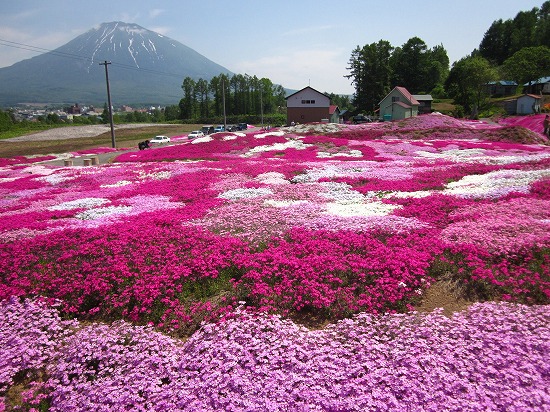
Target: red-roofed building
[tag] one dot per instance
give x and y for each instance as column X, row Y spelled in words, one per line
column 398, row 104
column 334, row 113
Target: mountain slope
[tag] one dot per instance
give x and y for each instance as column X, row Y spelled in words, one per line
column 146, row 68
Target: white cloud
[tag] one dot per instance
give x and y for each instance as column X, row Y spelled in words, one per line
column 22, row 44
column 322, row 69
column 164, row 30
column 155, row 13
column 129, row 18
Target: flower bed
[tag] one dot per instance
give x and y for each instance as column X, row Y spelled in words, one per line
column 302, row 223
column 490, row 357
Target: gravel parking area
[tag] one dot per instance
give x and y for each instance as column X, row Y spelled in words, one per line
column 74, row 132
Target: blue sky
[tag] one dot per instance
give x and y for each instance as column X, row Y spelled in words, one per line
column 294, row 43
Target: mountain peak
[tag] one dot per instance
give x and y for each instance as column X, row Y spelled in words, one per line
column 147, row 68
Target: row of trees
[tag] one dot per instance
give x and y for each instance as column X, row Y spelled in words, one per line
column 505, row 38
column 242, row 94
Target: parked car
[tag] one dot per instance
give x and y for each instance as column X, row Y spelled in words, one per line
column 242, row 126
column 361, row 118
column 232, row 128
column 160, row 140
column 207, row 129
column 194, row 134
column 219, row 128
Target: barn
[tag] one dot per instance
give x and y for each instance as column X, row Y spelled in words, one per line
column 307, row 106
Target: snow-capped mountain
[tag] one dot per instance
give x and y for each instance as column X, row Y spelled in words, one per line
column 145, row 68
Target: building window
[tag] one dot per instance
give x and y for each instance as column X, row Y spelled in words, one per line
column 308, row 101
column 394, row 99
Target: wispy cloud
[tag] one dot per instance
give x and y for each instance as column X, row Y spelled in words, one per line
column 164, row 30
column 129, row 18
column 156, row 12
column 12, row 53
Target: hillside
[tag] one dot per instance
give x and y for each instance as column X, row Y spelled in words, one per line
column 146, row 68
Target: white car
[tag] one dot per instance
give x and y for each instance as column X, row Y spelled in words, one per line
column 194, row 134
column 160, row 139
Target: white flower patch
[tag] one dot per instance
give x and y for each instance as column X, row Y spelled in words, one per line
column 454, row 155
column 102, row 212
column 503, row 160
column 84, row 203
column 8, row 179
column 38, row 170
column 165, row 174
column 351, row 153
column 291, row 144
column 264, row 135
column 55, row 179
column 283, row 203
column 230, row 137
column 404, row 195
column 316, row 128
column 495, row 184
column 204, row 139
column 272, row 178
column 117, row 184
column 360, row 209
column 341, row 193
column 249, row 193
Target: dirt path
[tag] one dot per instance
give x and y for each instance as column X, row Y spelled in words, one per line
column 74, row 132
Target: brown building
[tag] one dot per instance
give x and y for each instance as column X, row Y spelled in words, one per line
column 307, row 106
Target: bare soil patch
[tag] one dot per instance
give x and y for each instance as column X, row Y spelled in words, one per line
column 75, row 138
column 442, row 295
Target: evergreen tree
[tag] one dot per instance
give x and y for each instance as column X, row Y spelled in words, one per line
column 370, row 74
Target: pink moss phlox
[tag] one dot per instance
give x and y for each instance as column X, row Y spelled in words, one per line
column 492, row 356
column 292, row 274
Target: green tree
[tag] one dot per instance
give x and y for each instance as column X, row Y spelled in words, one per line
column 527, row 29
column 542, row 31
column 172, row 112
column 6, row 121
column 105, row 116
column 203, row 97
column 410, row 65
column 188, row 103
column 157, row 116
column 523, row 31
column 437, row 69
column 467, row 81
column 528, row 64
column 495, row 45
column 370, row 73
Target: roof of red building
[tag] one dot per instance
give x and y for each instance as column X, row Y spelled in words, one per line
column 407, row 95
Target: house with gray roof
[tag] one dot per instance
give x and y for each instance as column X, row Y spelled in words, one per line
column 501, row 88
column 539, row 86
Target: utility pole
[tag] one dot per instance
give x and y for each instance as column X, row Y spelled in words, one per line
column 262, row 106
column 224, row 116
column 105, row 63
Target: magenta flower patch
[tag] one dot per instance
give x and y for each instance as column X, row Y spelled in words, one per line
column 349, row 225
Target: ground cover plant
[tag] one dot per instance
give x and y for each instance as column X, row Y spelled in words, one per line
column 188, row 269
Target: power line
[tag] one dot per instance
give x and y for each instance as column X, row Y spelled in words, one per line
column 42, row 50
